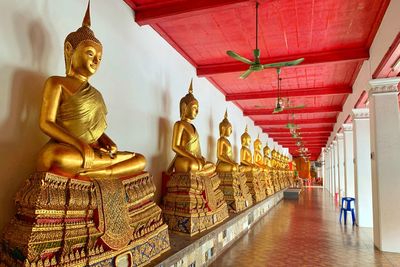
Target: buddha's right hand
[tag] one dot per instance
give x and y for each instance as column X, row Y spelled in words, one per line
column 88, row 156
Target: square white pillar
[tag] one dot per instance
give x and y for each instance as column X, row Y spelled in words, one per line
column 385, row 147
column 340, row 164
column 348, row 160
column 362, row 167
column 335, row 170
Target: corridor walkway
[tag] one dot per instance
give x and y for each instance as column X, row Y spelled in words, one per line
column 306, row 232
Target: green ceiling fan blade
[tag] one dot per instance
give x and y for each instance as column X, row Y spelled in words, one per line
column 295, row 107
column 283, row 64
column 239, row 57
column 277, row 110
column 246, row 74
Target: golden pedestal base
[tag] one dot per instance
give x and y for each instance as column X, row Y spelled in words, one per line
column 69, row 222
column 236, row 192
column 256, row 185
column 193, row 203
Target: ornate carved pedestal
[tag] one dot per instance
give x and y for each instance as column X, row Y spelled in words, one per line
column 256, row 186
column 270, row 186
column 193, row 203
column 69, row 222
column 236, row 192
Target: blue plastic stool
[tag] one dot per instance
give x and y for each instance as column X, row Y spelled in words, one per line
column 346, row 206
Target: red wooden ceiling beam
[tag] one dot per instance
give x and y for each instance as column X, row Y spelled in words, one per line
column 269, row 111
column 171, row 10
column 297, row 122
column 271, row 94
column 301, row 130
column 309, row 58
column 302, row 135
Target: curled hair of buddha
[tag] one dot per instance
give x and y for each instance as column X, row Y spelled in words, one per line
column 84, row 33
column 245, row 135
column 224, row 124
column 187, row 100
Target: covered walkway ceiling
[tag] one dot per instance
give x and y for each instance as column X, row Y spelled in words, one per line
column 333, row 37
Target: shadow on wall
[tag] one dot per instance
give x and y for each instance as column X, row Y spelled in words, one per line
column 21, row 138
column 211, row 143
column 161, row 160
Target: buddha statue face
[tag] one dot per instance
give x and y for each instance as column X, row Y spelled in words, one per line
column 257, row 145
column 246, row 139
column 191, row 110
column 84, row 59
column 266, row 151
column 225, row 127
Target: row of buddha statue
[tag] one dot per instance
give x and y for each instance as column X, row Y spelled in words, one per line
column 89, row 204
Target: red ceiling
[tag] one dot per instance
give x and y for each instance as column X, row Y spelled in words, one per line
column 333, row 36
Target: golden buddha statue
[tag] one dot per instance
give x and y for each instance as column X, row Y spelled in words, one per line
column 233, row 181
column 258, row 158
column 73, row 115
column 185, row 140
column 268, row 168
column 193, row 201
column 254, row 176
column 246, row 159
column 63, row 220
column 225, row 161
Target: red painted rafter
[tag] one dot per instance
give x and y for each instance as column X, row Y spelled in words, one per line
column 302, row 135
column 332, row 90
column 298, row 122
column 301, row 130
column 309, row 58
column 262, row 111
column 172, row 10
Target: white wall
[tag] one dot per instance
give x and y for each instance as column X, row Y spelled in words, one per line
column 141, row 77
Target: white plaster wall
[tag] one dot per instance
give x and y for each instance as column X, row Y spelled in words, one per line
column 386, row 34
column 141, row 77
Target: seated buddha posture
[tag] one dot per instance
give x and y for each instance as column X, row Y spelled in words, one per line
column 246, row 159
column 267, row 158
column 258, row 158
column 73, row 115
column 185, row 140
column 225, row 161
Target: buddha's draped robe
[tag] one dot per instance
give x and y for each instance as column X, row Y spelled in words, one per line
column 83, row 114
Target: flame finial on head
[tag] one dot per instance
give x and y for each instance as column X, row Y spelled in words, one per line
column 226, row 114
column 246, row 129
column 191, row 87
column 86, row 19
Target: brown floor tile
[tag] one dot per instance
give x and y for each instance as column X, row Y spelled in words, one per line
column 306, row 232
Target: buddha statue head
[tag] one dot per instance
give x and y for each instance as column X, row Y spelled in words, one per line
column 225, row 127
column 245, row 138
column 189, row 106
column 82, row 50
column 266, row 150
column 257, row 144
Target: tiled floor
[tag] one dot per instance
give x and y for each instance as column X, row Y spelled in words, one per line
column 306, row 232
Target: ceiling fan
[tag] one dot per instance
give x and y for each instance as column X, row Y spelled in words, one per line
column 283, row 103
column 256, row 65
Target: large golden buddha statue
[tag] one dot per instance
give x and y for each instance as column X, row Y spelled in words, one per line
column 254, row 175
column 88, row 204
column 73, row 115
column 225, row 162
column 193, row 201
column 268, row 169
column 233, row 181
column 246, row 158
column 258, row 158
column 185, row 140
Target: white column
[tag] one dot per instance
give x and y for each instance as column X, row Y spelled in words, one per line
column 340, row 164
column 332, row 177
column 335, row 170
column 348, row 160
column 362, row 167
column 326, row 172
column 385, row 147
